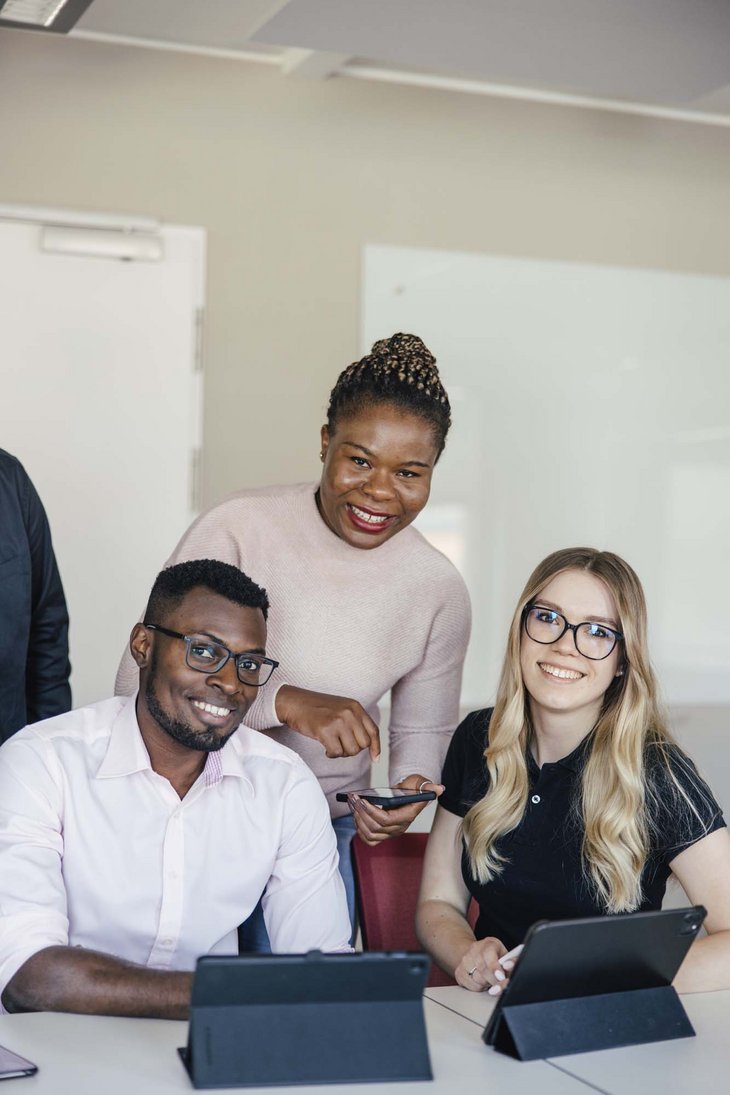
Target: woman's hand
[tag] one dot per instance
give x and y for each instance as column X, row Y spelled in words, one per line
column 480, row 969
column 341, row 726
column 375, row 824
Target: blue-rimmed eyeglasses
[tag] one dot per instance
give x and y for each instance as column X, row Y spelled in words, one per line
column 594, row 641
column 207, row 656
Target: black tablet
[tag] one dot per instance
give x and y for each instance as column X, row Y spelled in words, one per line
column 597, row 958
column 263, row 1019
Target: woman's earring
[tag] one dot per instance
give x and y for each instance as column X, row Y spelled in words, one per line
column 321, row 455
column 619, row 672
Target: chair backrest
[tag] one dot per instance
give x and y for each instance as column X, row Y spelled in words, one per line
column 388, row 878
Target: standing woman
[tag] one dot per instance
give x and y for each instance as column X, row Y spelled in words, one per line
column 570, row 798
column 361, row 604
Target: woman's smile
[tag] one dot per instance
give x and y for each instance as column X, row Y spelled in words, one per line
column 560, row 674
column 369, row 520
column 377, row 474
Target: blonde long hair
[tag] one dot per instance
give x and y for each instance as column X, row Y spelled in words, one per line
column 615, row 795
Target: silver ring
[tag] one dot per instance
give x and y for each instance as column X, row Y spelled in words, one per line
column 423, row 784
column 472, row 972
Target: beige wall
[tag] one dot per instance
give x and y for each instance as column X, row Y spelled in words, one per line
column 291, row 178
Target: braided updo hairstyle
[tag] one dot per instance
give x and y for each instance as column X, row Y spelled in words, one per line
column 400, row 371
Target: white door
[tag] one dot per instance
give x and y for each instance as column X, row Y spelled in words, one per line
column 101, row 401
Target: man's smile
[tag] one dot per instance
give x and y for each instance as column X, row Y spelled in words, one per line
column 213, row 710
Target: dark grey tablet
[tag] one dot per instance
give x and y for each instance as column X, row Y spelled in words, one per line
column 593, row 983
column 259, row 1020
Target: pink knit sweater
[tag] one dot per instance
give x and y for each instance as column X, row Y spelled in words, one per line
column 346, row 621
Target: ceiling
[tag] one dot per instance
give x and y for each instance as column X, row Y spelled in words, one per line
column 656, row 56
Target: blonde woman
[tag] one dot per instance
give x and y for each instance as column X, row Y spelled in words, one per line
column 570, row 798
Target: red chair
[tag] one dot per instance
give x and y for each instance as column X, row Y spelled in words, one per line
column 388, row 878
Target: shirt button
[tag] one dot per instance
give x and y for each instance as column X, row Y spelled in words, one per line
column 535, row 799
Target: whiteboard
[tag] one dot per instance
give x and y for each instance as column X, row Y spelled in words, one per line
column 591, row 406
column 101, row 402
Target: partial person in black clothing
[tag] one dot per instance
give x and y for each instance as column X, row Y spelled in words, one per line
column 570, row 798
column 34, row 665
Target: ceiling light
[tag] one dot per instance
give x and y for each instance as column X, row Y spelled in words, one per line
column 41, row 12
column 55, row 15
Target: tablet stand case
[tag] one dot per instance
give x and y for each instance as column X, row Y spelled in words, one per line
column 583, row 1023
column 598, row 983
column 261, row 1020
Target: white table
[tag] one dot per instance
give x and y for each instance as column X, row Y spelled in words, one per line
column 91, row 1055
column 687, row 1065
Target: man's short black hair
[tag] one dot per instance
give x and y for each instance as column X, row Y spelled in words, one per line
column 174, row 583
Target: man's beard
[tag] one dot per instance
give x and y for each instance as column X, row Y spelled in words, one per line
column 204, row 741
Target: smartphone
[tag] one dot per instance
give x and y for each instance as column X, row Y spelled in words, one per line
column 388, row 798
column 12, row 1065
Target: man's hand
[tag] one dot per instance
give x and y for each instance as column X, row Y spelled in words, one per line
column 341, row 726
column 375, row 824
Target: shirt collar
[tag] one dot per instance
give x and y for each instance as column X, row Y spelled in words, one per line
column 232, row 757
column 127, row 753
column 574, row 762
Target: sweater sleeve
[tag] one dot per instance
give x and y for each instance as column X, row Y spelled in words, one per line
column 425, row 703
column 211, row 536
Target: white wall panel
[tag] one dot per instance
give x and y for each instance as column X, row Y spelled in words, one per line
column 591, row 406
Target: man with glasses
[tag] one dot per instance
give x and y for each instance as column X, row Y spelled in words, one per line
column 136, row 834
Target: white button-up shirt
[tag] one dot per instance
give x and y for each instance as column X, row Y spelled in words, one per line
column 98, row 851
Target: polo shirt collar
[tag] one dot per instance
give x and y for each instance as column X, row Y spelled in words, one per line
column 574, row 762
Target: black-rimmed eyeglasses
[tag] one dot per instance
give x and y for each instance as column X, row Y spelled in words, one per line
column 594, row 641
column 207, row 656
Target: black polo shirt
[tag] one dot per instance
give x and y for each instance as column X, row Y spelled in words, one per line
column 543, row 878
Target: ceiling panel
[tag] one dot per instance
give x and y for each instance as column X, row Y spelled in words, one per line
column 666, row 52
column 216, row 24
